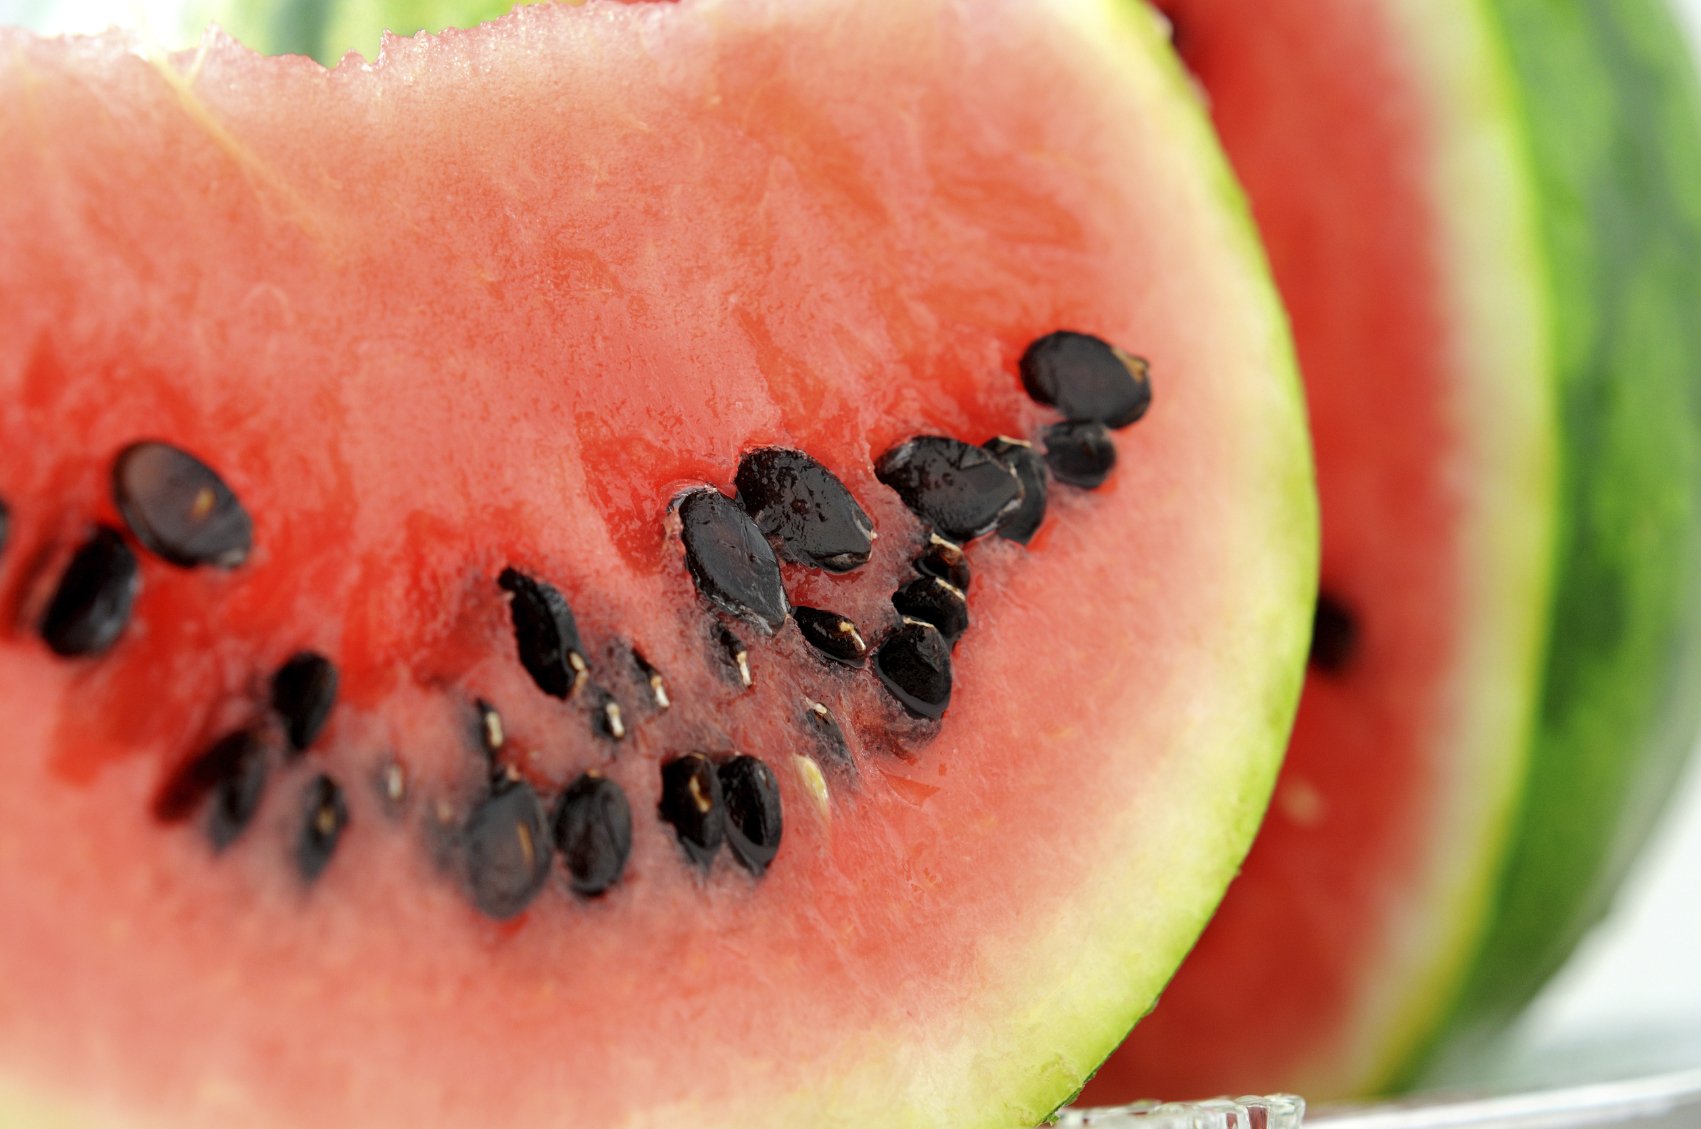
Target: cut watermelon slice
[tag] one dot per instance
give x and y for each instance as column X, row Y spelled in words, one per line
column 1488, row 233
column 438, row 374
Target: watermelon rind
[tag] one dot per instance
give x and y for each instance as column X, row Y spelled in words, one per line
column 326, row 29
column 1612, row 118
column 1566, row 130
column 1509, row 403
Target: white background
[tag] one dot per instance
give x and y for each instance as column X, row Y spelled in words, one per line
column 1632, row 996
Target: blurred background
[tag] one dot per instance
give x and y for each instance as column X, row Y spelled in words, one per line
column 1630, row 1000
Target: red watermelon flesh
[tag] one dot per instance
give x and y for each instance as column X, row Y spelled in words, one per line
column 493, row 302
column 1395, row 210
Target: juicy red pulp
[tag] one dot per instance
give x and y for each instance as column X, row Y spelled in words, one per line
column 184, row 513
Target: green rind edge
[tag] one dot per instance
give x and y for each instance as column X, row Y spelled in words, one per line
column 1283, row 704
column 326, row 29
column 1612, row 119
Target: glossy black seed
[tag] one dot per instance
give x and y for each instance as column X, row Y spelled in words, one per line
column 229, row 778
column 1334, row 635
column 652, row 678
column 735, row 658
column 830, row 747
column 1080, row 453
column 1087, row 378
column 506, row 849
column 932, row 600
column 546, row 634
column 1021, row 523
column 607, row 720
column 324, row 816
column 303, row 691
column 753, row 824
column 593, row 832
column 914, row 664
column 236, row 798
column 5, row 524
column 958, row 489
column 732, row 563
column 803, row 505
column 179, row 508
column 92, row 604
column 832, row 635
column 691, row 804
column 946, row 560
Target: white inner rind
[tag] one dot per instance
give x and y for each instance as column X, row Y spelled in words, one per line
column 1504, row 471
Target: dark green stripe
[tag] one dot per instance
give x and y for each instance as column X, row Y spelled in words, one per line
column 1614, row 126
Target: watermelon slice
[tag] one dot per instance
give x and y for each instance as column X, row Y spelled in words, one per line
column 460, row 510
column 1487, row 228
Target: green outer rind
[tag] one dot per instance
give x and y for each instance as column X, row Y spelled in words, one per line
column 1613, row 125
column 325, row 29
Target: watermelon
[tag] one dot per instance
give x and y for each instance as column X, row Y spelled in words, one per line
column 546, row 576
column 1487, row 229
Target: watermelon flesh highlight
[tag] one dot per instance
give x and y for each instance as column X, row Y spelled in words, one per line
column 632, row 243
column 1397, row 214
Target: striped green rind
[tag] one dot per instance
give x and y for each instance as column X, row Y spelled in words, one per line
column 1613, row 123
column 325, row 29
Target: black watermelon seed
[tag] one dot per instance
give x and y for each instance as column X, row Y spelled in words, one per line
column 1334, row 635
column 732, row 563
column 831, row 748
column 231, row 774
column 593, row 832
column 324, row 816
column 946, row 560
column 92, row 604
column 1087, row 378
column 179, row 508
column 932, row 600
column 237, row 795
column 796, row 500
column 606, row 718
column 914, row 664
column 1021, row 523
column 5, row 524
column 736, row 658
column 303, row 691
column 958, row 489
column 691, row 804
column 507, row 849
column 1080, row 453
column 653, row 679
column 546, row 634
column 832, row 635
column 753, row 824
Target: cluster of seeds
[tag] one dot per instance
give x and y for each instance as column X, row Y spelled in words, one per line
column 506, row 844
column 787, row 506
